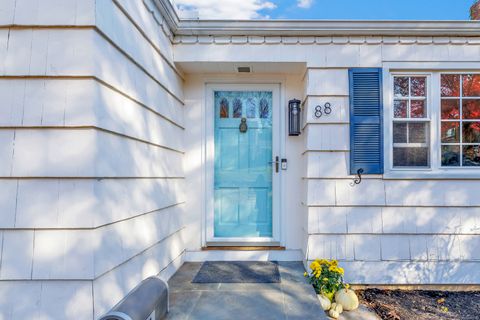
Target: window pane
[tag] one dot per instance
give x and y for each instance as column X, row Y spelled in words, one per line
column 450, row 109
column 418, row 86
column 417, row 132
column 471, row 85
column 450, row 85
column 471, row 156
column 450, row 156
column 264, row 108
column 400, row 86
column 410, row 157
column 471, row 109
column 450, row 132
column 400, row 108
column 417, row 109
column 237, row 108
column 471, row 132
column 251, row 108
column 399, row 132
column 223, row 108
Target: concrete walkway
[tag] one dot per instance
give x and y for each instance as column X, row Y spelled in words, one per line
column 293, row 298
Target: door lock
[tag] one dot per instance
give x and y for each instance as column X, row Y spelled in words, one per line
column 277, row 162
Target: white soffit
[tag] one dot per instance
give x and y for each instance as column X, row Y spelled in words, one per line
column 231, row 67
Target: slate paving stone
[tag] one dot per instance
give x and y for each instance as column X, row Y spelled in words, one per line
column 293, row 298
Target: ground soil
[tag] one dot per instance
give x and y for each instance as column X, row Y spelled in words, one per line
column 422, row 304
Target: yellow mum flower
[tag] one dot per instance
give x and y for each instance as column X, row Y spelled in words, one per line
column 325, row 279
column 317, row 275
column 323, row 261
column 332, row 268
column 334, row 263
column 340, row 270
column 347, row 286
column 314, row 265
column 305, row 274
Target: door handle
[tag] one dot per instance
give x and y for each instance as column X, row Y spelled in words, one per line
column 277, row 162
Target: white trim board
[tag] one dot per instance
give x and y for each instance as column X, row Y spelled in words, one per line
column 231, row 255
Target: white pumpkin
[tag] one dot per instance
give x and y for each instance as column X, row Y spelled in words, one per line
column 336, row 307
column 347, row 298
column 324, row 301
column 334, row 314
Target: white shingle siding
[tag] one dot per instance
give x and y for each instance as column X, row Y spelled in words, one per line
column 82, row 105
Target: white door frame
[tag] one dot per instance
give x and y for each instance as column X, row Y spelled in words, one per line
column 278, row 149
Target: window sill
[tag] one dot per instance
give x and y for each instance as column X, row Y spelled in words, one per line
column 430, row 174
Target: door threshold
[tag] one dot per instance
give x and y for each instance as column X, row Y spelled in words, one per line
column 240, row 243
column 243, row 248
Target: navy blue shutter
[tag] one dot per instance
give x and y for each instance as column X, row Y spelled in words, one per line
column 366, row 123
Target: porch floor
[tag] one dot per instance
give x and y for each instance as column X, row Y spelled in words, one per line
column 292, row 298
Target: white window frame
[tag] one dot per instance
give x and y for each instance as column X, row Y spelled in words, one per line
column 435, row 171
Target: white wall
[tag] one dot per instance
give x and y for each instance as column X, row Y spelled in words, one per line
column 92, row 148
column 384, row 231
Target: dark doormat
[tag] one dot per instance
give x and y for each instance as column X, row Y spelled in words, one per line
column 238, row 272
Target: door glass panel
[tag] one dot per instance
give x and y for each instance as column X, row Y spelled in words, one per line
column 223, row 108
column 251, row 108
column 237, row 108
column 264, row 108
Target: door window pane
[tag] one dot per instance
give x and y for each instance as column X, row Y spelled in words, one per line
column 450, row 109
column 223, row 108
column 237, row 108
column 251, row 108
column 264, row 108
column 450, row 156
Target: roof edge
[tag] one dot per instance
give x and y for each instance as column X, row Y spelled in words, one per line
column 315, row 27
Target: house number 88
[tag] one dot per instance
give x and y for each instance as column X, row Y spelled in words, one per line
column 327, row 109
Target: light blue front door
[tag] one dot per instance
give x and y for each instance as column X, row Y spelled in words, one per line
column 243, row 172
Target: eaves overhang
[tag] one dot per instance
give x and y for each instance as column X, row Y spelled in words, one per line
column 315, row 27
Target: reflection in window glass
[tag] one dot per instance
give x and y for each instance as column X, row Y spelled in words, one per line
column 264, row 108
column 450, row 156
column 450, row 85
column 460, row 133
column 471, row 85
column 237, row 108
column 411, row 125
column 251, row 108
column 471, row 156
column 223, row 108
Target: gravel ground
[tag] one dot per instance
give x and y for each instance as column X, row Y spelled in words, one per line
column 422, row 304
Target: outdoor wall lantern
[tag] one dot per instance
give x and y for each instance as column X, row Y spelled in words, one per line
column 294, row 120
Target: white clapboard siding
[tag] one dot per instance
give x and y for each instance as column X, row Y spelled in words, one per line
column 327, row 164
column 84, row 52
column 154, row 54
column 394, row 220
column 85, row 203
column 150, row 21
column 46, row 299
column 89, row 153
column 369, row 247
column 17, row 255
column 411, row 272
column 327, row 137
column 327, row 82
column 49, row 102
column 114, row 285
column 47, row 12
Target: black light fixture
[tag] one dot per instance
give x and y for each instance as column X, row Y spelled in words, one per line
column 294, row 119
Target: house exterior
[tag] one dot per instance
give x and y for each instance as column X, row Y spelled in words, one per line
column 123, row 152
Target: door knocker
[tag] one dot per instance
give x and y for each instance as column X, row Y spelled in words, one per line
column 243, row 125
